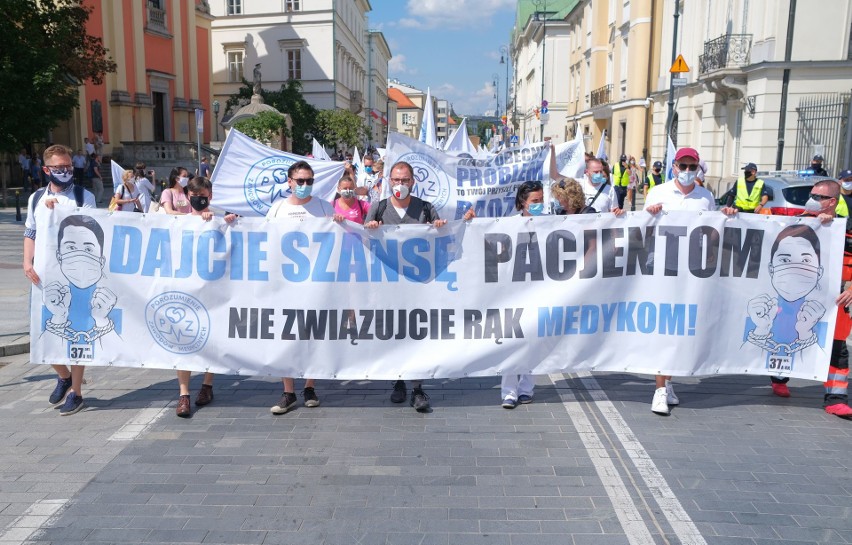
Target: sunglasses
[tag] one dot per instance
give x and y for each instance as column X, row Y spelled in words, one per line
column 816, row 197
column 303, row 181
column 684, row 166
column 533, row 185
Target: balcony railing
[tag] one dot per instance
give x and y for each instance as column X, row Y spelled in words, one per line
column 601, row 96
column 156, row 18
column 728, row 51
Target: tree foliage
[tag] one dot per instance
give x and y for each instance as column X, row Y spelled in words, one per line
column 264, row 127
column 340, row 129
column 289, row 100
column 45, row 54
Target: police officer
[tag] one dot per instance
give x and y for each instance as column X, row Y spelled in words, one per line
column 845, row 179
column 750, row 193
column 655, row 177
column 816, row 166
column 621, row 179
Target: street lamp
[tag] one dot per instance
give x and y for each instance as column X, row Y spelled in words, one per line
column 216, row 113
column 543, row 19
column 495, row 81
column 504, row 59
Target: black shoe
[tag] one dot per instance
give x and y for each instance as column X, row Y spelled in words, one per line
column 419, row 400
column 287, row 401
column 58, row 395
column 399, row 392
column 311, row 399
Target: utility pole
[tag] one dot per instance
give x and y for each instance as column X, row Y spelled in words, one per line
column 671, row 80
column 543, row 15
column 785, row 83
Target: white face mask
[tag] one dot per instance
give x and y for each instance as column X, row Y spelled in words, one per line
column 846, row 185
column 794, row 281
column 687, row 178
column 183, row 180
column 400, row 191
column 80, row 268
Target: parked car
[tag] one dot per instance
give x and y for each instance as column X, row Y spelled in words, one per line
column 790, row 191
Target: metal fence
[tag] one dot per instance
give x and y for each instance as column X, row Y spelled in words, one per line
column 825, row 128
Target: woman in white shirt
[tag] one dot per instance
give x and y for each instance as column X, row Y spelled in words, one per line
column 127, row 196
column 144, row 185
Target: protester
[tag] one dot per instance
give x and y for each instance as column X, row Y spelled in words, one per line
column 60, row 190
column 599, row 194
column 200, row 194
column 569, row 194
column 204, row 168
column 89, row 147
column 127, row 196
column 681, row 194
column 173, row 199
column 144, row 184
column 93, row 174
column 404, row 208
column 299, row 205
column 346, row 202
column 635, row 182
column 80, row 162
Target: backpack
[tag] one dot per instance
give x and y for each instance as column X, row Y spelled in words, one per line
column 78, row 196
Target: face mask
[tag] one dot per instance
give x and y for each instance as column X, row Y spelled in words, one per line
column 368, row 170
column 80, row 268
column 199, row 204
column 813, row 205
column 535, row 209
column 795, row 280
column 814, row 165
column 749, row 175
column 303, row 191
column 401, row 191
column 686, row 178
column 598, row 178
column 63, row 179
column 183, row 181
column 347, row 193
column 846, row 185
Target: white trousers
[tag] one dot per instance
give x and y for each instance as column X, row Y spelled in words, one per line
column 513, row 386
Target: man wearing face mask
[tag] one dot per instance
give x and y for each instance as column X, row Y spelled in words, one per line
column 816, row 166
column 621, row 179
column 749, row 193
column 299, row 205
column 845, row 179
column 404, row 208
column 599, row 194
column 60, row 189
column 682, row 193
column 366, row 178
column 655, row 177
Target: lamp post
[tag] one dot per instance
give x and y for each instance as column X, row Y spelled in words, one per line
column 216, row 114
column 543, row 18
column 504, row 59
column 495, row 82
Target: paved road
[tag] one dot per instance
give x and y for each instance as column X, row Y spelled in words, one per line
column 586, row 464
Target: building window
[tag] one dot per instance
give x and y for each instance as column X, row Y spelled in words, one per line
column 156, row 16
column 235, row 7
column 235, row 66
column 406, row 119
column 292, row 5
column 294, row 64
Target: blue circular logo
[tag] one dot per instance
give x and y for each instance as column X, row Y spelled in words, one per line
column 266, row 182
column 178, row 322
column 433, row 184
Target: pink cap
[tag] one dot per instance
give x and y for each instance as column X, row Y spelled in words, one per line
column 686, row 152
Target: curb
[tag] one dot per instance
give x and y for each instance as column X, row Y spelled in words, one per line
column 15, row 348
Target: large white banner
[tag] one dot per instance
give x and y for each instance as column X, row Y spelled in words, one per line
column 681, row 294
column 249, row 176
column 453, row 183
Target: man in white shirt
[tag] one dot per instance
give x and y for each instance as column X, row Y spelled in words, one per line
column 89, row 146
column 299, row 205
column 59, row 190
column 592, row 181
column 681, row 193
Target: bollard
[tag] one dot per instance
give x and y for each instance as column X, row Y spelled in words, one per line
column 18, row 205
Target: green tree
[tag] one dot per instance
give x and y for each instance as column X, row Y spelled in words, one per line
column 289, row 100
column 340, row 129
column 264, row 127
column 45, row 55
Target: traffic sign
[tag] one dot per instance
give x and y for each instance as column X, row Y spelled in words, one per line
column 679, row 66
column 679, row 82
column 514, row 139
column 544, row 104
column 544, row 110
column 199, row 120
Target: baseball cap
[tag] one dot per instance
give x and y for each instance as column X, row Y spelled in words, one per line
column 658, row 164
column 750, row 166
column 844, row 174
column 817, row 158
column 686, row 152
column 623, row 158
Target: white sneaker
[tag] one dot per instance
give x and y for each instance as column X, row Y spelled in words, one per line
column 671, row 397
column 660, row 404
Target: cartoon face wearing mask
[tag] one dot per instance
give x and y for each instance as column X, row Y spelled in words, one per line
column 79, row 256
column 795, row 268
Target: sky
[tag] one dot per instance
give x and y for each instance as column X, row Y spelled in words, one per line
column 450, row 46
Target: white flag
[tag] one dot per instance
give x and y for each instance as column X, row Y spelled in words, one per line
column 427, row 125
column 459, row 141
column 319, row 152
column 670, row 154
column 601, row 154
column 117, row 172
column 249, row 176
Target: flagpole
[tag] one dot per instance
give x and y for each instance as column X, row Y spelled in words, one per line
column 671, row 82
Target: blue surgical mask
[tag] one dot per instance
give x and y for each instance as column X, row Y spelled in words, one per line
column 368, row 170
column 598, row 178
column 303, row 191
column 687, row 178
column 536, row 209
